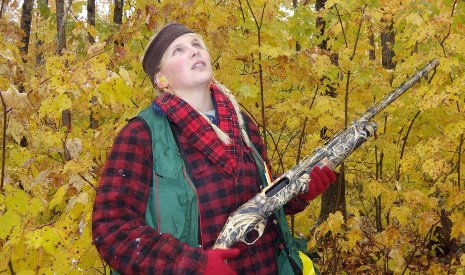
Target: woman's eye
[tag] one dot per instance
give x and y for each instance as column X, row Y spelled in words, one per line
column 177, row 50
column 197, row 45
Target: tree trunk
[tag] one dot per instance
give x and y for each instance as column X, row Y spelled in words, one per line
column 118, row 12
column 91, row 17
column 333, row 199
column 1, row 8
column 387, row 42
column 40, row 54
column 26, row 21
column 320, row 23
column 61, row 38
column 118, row 17
column 372, row 51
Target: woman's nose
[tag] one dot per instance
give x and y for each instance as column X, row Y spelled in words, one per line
column 195, row 52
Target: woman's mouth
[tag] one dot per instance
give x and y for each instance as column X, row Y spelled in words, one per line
column 199, row 64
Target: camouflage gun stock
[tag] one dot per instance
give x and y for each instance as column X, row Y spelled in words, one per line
column 252, row 215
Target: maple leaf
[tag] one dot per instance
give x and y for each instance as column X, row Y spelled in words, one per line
column 14, row 99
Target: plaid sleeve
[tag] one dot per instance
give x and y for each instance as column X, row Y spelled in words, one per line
column 119, row 230
column 295, row 205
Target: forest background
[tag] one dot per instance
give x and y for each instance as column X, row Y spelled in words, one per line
column 71, row 77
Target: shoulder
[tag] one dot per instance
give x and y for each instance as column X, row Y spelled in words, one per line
column 135, row 131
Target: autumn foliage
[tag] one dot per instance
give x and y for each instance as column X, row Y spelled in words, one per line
column 302, row 74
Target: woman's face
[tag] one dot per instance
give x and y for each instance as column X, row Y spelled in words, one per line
column 186, row 63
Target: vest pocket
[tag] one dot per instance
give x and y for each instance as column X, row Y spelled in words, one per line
column 172, row 205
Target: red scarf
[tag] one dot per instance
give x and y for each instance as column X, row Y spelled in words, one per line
column 199, row 132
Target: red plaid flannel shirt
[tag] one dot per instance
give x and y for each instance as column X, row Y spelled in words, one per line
column 225, row 177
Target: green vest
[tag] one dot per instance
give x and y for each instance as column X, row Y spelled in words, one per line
column 176, row 211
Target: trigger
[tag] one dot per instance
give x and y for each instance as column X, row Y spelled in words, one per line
column 256, row 232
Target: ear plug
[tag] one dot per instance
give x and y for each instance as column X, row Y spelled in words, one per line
column 162, row 82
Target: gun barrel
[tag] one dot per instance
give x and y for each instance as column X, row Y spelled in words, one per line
column 388, row 99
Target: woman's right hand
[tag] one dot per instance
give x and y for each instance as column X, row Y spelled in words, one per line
column 217, row 261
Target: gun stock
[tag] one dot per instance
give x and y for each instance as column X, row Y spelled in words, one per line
column 252, row 215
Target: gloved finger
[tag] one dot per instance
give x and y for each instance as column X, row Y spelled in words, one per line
column 330, row 175
column 229, row 253
column 315, row 175
column 325, row 178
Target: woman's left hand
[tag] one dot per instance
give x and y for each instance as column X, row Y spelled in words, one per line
column 320, row 179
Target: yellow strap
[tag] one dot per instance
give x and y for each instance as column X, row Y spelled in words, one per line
column 307, row 263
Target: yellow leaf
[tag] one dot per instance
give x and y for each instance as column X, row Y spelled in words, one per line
column 45, row 237
column 17, row 201
column 126, row 76
column 458, row 224
column 54, row 106
column 115, row 92
column 18, row 157
column 59, row 197
column 335, row 222
column 435, row 168
column 398, row 259
column 426, row 221
column 353, row 236
column 14, row 99
column 374, row 189
column 91, row 30
column 8, row 221
column 402, row 214
column 388, row 237
column 17, row 129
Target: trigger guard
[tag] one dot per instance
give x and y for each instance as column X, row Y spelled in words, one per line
column 259, row 228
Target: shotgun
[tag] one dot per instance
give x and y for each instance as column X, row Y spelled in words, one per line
column 251, row 217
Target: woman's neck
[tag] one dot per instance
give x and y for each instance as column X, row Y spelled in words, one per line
column 200, row 99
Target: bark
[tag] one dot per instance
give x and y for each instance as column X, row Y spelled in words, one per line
column 333, row 199
column 118, row 17
column 61, row 34
column 91, row 17
column 26, row 21
column 320, row 23
column 387, row 42
column 40, row 55
column 372, row 51
column 118, row 12
column 1, row 8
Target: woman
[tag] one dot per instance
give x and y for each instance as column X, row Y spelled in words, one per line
column 180, row 168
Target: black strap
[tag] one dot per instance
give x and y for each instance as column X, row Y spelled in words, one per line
column 277, row 228
column 275, row 222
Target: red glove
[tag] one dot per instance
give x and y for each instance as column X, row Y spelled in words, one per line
column 320, row 179
column 216, row 263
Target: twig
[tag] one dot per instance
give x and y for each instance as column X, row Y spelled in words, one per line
column 5, row 118
column 405, row 142
column 340, row 22
column 358, row 32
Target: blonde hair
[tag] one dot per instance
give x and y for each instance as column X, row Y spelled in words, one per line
column 237, row 109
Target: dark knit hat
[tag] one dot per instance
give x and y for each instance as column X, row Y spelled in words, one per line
column 158, row 45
